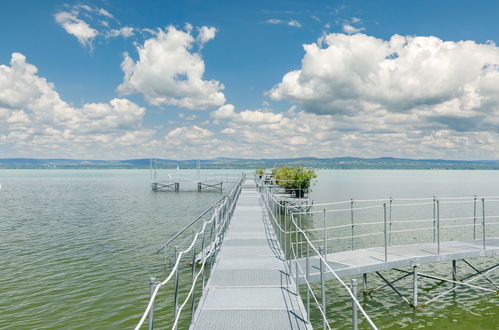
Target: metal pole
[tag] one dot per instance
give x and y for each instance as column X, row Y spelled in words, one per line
column 454, row 270
column 202, row 261
column 355, row 325
column 390, row 222
column 323, row 289
column 152, row 286
column 352, row 221
column 434, row 219
column 307, row 275
column 325, row 234
column 296, row 278
column 364, row 283
column 474, row 217
column 483, row 222
column 285, row 249
column 414, row 286
column 175, row 296
column 385, row 232
column 438, row 226
column 193, row 268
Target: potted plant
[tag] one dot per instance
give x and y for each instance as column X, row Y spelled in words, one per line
column 294, row 179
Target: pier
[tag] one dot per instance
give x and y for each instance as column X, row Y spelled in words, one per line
column 259, row 254
column 250, row 287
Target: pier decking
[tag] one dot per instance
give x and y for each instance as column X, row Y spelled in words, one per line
column 250, row 287
column 370, row 260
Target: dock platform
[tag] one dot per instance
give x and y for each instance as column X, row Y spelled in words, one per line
column 250, row 286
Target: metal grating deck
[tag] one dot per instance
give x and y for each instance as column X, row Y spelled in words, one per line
column 249, row 287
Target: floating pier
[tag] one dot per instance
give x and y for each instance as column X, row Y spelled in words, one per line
column 259, row 255
column 176, row 186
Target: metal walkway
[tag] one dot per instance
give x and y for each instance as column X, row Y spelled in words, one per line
column 250, row 287
column 369, row 260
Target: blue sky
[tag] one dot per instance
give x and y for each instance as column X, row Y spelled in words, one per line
column 194, row 79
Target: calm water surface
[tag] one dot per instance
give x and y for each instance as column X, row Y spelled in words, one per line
column 76, row 247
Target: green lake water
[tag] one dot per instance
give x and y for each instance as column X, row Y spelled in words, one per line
column 76, row 247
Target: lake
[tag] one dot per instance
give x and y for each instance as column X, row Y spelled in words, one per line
column 77, row 246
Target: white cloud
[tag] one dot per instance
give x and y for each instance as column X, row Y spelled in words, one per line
column 347, row 28
column 360, row 72
column 246, row 116
column 76, row 27
column 124, row 32
column 293, row 22
column 206, row 33
column 104, row 12
column 168, row 72
column 34, row 115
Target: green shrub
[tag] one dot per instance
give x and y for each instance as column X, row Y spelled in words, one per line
column 294, row 178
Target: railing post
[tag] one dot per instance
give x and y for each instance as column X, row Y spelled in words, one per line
column 364, row 283
column 483, row 222
column 323, row 289
column 203, row 263
column 390, row 222
column 355, row 325
column 454, row 270
column 175, row 296
column 385, row 232
column 212, row 243
column 434, row 219
column 438, row 226
column 193, row 271
column 325, row 234
column 307, row 276
column 414, row 285
column 474, row 217
column 285, row 249
column 352, row 222
column 152, row 286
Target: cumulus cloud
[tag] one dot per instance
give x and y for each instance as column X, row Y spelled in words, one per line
column 168, row 72
column 426, row 74
column 33, row 114
column 419, row 95
column 76, row 27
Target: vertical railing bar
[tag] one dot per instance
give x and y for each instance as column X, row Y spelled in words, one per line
column 355, row 324
column 307, row 272
column 352, row 222
column 474, row 217
column 385, row 232
column 438, row 226
column 325, row 234
column 483, row 222
column 434, row 220
column 323, row 289
column 152, row 286
column 193, row 268
column 175, row 297
column 390, row 222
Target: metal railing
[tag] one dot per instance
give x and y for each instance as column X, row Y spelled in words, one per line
column 301, row 238
column 208, row 239
column 286, row 235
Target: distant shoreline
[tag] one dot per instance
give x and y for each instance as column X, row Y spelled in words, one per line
column 384, row 163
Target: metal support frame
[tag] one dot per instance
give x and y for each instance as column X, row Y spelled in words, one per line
column 355, row 319
column 152, row 286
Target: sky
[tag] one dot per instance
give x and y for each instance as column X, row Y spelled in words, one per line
column 255, row 79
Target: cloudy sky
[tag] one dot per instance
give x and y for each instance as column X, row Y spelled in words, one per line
column 254, row 79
